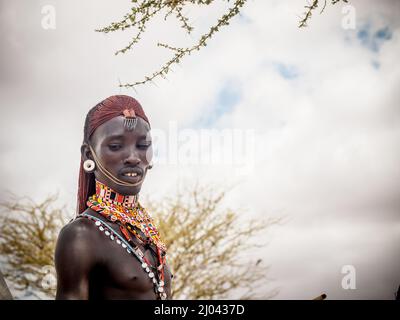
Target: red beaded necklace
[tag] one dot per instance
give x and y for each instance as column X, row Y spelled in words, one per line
column 133, row 221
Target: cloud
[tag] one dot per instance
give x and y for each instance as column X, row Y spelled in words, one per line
column 226, row 99
column 325, row 119
column 287, row 72
column 373, row 40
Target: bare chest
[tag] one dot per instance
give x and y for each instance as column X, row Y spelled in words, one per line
column 120, row 274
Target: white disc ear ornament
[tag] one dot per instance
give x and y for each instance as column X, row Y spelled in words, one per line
column 89, row 165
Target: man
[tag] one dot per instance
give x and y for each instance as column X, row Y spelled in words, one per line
column 112, row 250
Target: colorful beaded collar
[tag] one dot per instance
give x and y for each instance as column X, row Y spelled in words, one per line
column 127, row 210
column 131, row 217
column 106, row 194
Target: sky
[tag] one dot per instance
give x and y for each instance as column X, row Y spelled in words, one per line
column 311, row 121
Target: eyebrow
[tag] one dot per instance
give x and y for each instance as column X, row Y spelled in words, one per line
column 116, row 136
column 120, row 136
column 144, row 137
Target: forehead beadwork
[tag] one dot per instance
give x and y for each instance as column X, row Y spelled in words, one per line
column 130, row 119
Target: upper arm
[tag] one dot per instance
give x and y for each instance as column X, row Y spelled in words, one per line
column 74, row 259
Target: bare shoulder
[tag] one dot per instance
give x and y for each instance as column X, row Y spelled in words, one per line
column 77, row 253
column 81, row 229
column 77, row 239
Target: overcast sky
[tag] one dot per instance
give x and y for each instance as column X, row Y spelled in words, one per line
column 320, row 107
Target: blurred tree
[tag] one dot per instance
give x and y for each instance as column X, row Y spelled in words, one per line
column 210, row 250
column 5, row 293
column 28, row 233
column 144, row 11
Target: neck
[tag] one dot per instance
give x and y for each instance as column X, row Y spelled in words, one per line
column 107, row 194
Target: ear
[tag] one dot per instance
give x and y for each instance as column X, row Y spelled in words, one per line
column 85, row 152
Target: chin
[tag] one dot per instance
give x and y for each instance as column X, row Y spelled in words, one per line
column 128, row 190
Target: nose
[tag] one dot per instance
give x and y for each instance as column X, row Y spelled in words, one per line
column 132, row 157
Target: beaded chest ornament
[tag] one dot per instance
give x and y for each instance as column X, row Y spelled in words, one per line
column 133, row 221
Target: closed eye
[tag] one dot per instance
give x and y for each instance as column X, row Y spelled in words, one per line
column 144, row 145
column 114, row 147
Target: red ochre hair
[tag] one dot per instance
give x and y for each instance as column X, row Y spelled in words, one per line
column 105, row 110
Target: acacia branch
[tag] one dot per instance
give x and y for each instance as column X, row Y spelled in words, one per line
column 311, row 8
column 144, row 11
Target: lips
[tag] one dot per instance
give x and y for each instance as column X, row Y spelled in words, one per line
column 131, row 174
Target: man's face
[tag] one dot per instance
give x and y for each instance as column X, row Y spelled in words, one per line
column 123, row 153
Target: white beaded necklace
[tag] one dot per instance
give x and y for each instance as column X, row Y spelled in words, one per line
column 109, row 232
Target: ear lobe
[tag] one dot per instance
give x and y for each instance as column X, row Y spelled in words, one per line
column 85, row 152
